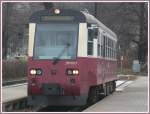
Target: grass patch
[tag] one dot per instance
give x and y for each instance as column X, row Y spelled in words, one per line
column 127, row 71
column 14, row 69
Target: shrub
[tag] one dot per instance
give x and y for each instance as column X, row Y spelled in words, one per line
column 14, row 69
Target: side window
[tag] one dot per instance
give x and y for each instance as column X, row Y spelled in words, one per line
column 99, row 45
column 98, row 49
column 114, row 49
column 90, row 42
column 92, row 33
column 111, row 52
column 106, row 47
column 109, row 47
column 104, row 43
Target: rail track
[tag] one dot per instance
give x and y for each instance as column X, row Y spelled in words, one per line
column 14, row 105
column 66, row 109
column 20, row 105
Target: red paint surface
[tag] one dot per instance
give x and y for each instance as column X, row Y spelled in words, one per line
column 92, row 71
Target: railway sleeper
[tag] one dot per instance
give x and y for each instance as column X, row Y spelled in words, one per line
column 15, row 105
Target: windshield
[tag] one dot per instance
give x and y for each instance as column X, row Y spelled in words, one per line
column 52, row 39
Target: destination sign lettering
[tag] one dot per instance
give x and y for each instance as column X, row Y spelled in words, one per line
column 57, row 18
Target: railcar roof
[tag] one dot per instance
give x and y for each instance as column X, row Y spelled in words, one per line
column 80, row 16
column 91, row 19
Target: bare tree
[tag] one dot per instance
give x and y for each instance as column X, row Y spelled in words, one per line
column 6, row 12
column 142, row 41
column 127, row 20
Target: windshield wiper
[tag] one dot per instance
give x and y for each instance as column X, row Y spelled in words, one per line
column 56, row 59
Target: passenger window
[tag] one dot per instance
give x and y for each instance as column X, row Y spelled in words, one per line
column 92, row 33
column 110, row 48
column 104, row 43
column 108, row 52
column 115, row 50
column 98, row 49
column 99, row 44
column 90, row 42
column 90, row 48
column 105, row 46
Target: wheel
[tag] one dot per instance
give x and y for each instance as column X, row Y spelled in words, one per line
column 93, row 95
column 111, row 87
column 114, row 86
column 105, row 89
column 108, row 88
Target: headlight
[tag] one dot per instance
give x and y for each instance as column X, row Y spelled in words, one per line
column 57, row 11
column 69, row 72
column 36, row 71
column 76, row 72
column 72, row 72
column 33, row 71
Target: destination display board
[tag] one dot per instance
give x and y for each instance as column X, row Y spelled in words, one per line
column 57, row 18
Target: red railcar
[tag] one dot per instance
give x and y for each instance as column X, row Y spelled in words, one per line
column 72, row 58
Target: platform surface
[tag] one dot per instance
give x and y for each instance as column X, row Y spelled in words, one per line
column 134, row 98
column 10, row 93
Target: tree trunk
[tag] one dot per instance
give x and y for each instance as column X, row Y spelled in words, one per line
column 141, row 41
column 5, row 31
column 95, row 9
